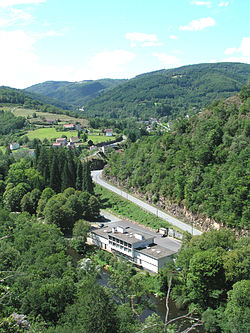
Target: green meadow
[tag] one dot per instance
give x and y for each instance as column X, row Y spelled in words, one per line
column 28, row 113
column 127, row 209
column 49, row 133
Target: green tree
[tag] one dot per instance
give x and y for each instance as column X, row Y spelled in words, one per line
column 237, row 311
column 13, row 195
column 94, row 207
column 93, row 311
column 56, row 212
column 47, row 193
column 29, row 201
column 87, row 183
column 80, row 232
column 79, row 175
column 206, row 279
column 55, row 176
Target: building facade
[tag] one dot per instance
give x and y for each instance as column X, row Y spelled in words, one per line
column 133, row 245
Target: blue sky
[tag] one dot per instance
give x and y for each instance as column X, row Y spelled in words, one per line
column 75, row 40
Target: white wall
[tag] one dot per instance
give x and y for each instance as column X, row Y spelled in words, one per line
column 146, row 261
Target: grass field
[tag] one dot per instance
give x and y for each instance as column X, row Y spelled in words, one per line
column 49, row 133
column 18, row 111
column 99, row 138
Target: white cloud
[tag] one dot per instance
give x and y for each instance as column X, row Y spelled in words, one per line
column 105, row 65
column 173, row 37
column 144, row 40
column 111, row 61
column 15, row 40
column 223, row 4
column 201, row 3
column 232, row 50
column 243, row 51
column 15, row 15
column 168, row 61
column 9, row 3
column 20, row 66
column 50, row 33
column 200, row 24
column 245, row 46
column 16, row 56
column 146, row 44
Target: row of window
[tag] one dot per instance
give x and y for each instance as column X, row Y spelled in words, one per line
column 119, row 241
column 120, row 246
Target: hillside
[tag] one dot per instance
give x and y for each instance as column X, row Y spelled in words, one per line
column 74, row 93
column 200, row 166
column 170, row 92
column 12, row 96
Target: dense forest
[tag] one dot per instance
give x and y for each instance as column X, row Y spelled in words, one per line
column 170, row 92
column 54, row 184
column 201, row 164
column 50, row 276
column 44, row 288
column 49, row 282
column 76, row 94
column 9, row 123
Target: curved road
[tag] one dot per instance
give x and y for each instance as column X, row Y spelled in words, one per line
column 96, row 175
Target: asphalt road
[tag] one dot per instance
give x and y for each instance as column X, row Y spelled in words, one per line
column 96, row 175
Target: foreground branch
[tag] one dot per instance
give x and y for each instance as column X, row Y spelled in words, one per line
column 188, row 316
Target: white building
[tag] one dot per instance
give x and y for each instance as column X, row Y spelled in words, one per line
column 135, row 246
column 14, row 146
column 109, row 132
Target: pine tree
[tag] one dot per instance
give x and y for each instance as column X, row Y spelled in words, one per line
column 72, row 167
column 43, row 164
column 79, row 176
column 87, row 183
column 55, row 177
column 66, row 177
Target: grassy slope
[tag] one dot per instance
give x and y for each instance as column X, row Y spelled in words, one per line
column 19, row 111
column 127, row 209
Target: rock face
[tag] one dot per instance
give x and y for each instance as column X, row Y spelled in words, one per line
column 200, row 221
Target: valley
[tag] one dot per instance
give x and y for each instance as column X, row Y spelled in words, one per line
column 182, row 150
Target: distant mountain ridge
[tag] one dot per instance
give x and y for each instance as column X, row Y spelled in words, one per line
column 166, row 92
column 170, row 92
column 74, row 93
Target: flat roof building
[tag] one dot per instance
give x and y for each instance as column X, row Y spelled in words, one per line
column 134, row 245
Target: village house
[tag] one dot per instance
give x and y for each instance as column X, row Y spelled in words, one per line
column 74, row 139
column 57, row 144
column 68, row 126
column 132, row 244
column 109, row 132
column 62, row 141
column 51, row 121
column 14, row 146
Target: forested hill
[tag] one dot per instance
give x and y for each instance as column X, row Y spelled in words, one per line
column 19, row 97
column 202, row 164
column 171, row 92
column 74, row 93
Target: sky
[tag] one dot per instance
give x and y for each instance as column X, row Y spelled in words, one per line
column 76, row 40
